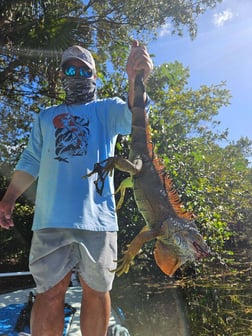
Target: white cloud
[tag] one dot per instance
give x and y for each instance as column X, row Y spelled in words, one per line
column 165, row 30
column 222, row 17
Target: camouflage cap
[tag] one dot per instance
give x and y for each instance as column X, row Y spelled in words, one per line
column 79, row 53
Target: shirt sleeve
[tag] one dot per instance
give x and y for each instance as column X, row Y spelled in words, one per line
column 124, row 118
column 30, row 158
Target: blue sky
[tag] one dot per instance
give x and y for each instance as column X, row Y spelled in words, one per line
column 221, row 51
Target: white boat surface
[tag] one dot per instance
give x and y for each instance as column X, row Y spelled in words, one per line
column 73, row 298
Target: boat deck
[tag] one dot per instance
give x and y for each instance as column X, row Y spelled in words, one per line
column 73, row 297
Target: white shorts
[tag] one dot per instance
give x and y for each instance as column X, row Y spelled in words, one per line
column 55, row 252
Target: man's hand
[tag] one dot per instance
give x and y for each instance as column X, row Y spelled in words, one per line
column 19, row 183
column 139, row 59
column 5, row 215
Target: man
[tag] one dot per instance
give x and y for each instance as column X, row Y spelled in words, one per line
column 73, row 225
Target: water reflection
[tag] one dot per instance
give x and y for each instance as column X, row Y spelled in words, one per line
column 219, row 305
column 151, row 311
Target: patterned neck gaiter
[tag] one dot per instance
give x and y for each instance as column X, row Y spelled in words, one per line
column 79, row 90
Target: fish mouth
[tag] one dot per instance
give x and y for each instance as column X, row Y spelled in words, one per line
column 200, row 252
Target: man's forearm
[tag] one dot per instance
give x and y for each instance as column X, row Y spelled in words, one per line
column 19, row 183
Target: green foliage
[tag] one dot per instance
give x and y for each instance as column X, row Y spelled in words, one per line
column 34, row 33
column 15, row 243
column 219, row 311
column 210, row 173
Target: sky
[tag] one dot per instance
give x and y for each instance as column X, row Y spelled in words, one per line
column 221, row 51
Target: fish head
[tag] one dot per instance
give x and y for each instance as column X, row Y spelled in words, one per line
column 185, row 243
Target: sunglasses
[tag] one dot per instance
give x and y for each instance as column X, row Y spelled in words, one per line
column 72, row 70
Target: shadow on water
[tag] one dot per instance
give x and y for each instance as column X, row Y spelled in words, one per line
column 218, row 303
column 151, row 311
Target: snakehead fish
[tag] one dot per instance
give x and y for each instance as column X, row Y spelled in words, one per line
column 177, row 237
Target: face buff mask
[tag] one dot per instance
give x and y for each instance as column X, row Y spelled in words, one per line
column 79, row 90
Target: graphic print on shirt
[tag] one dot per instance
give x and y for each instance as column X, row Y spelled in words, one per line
column 71, row 136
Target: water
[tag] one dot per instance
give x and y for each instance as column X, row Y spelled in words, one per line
column 218, row 305
column 152, row 311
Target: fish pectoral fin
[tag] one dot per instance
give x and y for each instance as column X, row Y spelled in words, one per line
column 126, row 183
column 133, row 249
